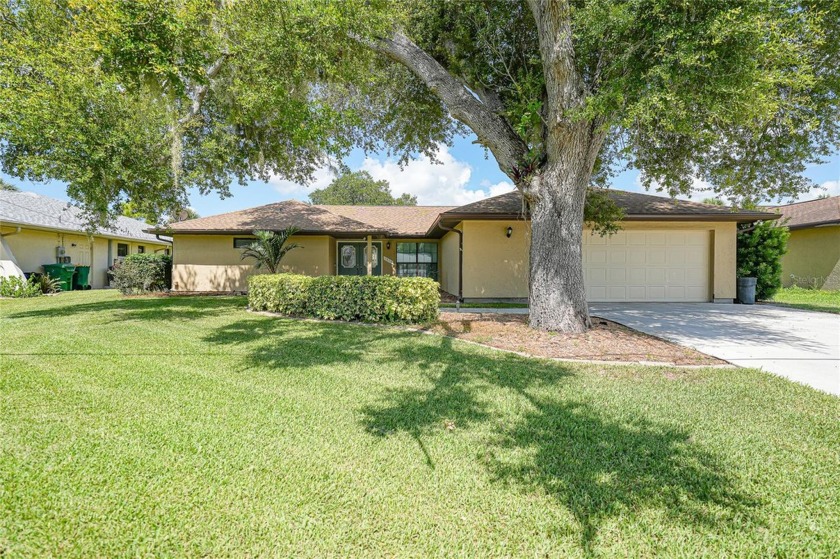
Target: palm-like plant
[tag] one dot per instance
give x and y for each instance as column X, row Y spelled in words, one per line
column 269, row 248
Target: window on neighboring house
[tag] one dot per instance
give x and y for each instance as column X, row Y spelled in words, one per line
column 242, row 242
column 417, row 260
column 141, row 249
column 122, row 249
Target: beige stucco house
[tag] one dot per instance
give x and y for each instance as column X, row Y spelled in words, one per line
column 667, row 250
column 813, row 256
column 37, row 230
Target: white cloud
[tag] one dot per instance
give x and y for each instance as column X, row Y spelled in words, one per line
column 292, row 190
column 830, row 188
column 444, row 183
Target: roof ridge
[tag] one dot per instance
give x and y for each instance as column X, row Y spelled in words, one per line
column 827, row 198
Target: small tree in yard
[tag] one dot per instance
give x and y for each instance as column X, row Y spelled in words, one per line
column 144, row 100
column 760, row 251
column 270, row 248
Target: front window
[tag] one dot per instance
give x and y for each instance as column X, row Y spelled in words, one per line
column 141, row 249
column 122, row 249
column 417, row 260
column 242, row 242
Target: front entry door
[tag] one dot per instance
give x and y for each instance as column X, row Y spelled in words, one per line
column 352, row 259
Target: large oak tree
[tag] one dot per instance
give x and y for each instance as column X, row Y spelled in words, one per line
column 141, row 100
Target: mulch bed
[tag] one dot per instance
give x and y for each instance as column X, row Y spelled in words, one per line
column 606, row 341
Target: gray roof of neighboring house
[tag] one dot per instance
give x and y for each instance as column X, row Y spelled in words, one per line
column 823, row 211
column 28, row 208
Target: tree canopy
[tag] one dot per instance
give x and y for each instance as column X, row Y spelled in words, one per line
column 359, row 189
column 8, row 187
column 145, row 99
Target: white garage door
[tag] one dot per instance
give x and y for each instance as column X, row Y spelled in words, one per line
column 655, row 265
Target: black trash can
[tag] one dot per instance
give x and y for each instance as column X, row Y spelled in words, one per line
column 746, row 291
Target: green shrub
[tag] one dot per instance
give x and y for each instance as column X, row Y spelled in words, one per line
column 143, row 273
column 46, row 283
column 362, row 298
column 280, row 293
column 18, row 287
column 760, row 251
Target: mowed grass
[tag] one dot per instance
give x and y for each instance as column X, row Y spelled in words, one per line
column 810, row 299
column 189, row 427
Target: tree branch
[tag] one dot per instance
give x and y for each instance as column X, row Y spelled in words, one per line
column 200, row 92
column 492, row 129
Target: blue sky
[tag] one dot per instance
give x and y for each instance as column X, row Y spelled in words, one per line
column 465, row 174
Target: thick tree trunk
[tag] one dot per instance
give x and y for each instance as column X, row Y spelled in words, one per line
column 557, row 295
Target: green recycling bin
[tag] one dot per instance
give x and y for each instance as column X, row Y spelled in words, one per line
column 63, row 273
column 81, row 279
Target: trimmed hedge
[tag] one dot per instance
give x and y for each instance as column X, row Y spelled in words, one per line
column 362, row 298
column 143, row 273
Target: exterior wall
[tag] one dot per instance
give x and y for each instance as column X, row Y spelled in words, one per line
column 210, row 263
column 498, row 267
column 449, row 262
column 33, row 248
column 495, row 266
column 813, row 257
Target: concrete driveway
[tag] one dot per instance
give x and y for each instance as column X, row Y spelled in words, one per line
column 803, row 346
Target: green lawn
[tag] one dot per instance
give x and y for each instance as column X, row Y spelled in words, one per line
column 189, row 427
column 810, row 299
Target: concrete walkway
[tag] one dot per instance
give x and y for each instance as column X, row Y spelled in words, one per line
column 803, row 346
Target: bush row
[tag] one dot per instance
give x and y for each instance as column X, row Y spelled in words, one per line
column 143, row 273
column 362, row 298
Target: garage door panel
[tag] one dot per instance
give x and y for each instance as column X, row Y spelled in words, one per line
column 617, row 293
column 636, row 276
column 660, row 265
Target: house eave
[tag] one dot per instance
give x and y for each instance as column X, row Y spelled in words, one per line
column 80, row 232
column 740, row 217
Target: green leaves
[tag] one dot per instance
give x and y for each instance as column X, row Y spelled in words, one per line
column 143, row 273
column 359, row 189
column 362, row 298
column 144, row 100
column 270, row 248
column 760, row 251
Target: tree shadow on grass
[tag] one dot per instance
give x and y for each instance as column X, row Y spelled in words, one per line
column 596, row 465
column 279, row 343
column 600, row 463
column 141, row 308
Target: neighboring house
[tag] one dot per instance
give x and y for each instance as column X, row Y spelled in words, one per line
column 813, row 256
column 668, row 250
column 36, row 229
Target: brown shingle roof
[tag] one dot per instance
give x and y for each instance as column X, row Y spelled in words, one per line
column 814, row 212
column 410, row 221
column 274, row 217
column 415, row 221
column 635, row 205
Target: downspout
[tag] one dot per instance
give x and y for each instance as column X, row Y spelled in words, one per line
column 171, row 243
column 460, row 265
